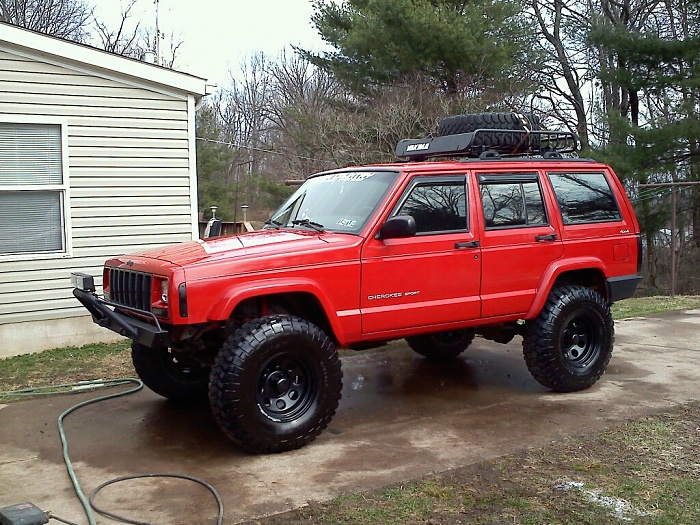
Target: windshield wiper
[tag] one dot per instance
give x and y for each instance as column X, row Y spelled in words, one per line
column 311, row 224
column 272, row 222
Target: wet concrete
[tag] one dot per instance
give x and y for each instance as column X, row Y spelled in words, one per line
column 400, row 417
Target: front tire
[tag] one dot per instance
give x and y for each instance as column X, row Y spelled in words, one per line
column 569, row 345
column 170, row 374
column 441, row 346
column 275, row 384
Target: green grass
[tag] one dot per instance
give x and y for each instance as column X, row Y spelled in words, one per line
column 641, row 306
column 65, row 365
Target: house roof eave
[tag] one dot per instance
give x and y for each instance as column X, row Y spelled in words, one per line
column 86, row 57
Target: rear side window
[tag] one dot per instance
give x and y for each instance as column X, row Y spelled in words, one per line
column 512, row 203
column 584, row 197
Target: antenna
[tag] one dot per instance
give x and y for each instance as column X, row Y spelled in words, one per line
column 157, row 2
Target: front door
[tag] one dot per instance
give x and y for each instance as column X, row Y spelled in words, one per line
column 429, row 279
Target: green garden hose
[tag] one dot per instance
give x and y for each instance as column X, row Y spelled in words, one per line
column 88, row 504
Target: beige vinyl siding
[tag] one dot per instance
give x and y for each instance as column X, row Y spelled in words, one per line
column 128, row 170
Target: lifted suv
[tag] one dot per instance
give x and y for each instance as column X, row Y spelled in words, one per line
column 507, row 238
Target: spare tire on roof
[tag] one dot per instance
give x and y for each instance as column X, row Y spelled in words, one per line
column 502, row 142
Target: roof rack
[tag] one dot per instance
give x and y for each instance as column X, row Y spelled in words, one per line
column 490, row 144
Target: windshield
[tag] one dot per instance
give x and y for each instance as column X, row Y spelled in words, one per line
column 340, row 202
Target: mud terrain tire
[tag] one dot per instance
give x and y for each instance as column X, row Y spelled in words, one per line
column 275, row 384
column 170, row 374
column 441, row 346
column 569, row 345
column 503, row 142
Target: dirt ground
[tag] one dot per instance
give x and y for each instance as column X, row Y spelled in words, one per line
column 401, row 418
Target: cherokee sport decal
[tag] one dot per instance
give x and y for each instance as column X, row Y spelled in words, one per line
column 393, row 295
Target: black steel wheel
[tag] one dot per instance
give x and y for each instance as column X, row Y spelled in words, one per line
column 441, row 346
column 170, row 374
column 275, row 384
column 569, row 345
column 287, row 387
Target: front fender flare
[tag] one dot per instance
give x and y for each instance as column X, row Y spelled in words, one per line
column 223, row 308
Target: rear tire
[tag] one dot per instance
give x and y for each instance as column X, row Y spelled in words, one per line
column 275, row 384
column 170, row 374
column 441, row 346
column 569, row 345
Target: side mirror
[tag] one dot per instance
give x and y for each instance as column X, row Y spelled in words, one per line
column 397, row 227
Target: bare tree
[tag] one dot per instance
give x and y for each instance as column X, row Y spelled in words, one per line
column 148, row 42
column 122, row 40
column 631, row 15
column 130, row 39
column 67, row 19
column 245, row 111
column 566, row 71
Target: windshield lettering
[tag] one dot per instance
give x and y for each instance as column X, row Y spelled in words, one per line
column 347, row 177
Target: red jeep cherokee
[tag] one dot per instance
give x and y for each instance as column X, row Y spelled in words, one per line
column 506, row 238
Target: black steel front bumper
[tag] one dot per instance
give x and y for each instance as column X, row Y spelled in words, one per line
column 121, row 322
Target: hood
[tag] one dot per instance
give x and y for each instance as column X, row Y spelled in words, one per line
column 249, row 244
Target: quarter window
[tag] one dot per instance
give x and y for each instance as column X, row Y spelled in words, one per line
column 512, row 203
column 32, row 189
column 437, row 206
column 584, row 197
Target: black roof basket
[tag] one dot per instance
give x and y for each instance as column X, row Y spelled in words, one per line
column 502, row 142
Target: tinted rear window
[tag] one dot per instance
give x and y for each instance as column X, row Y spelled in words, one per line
column 584, row 197
column 511, row 204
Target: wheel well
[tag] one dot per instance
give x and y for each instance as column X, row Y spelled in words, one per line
column 299, row 304
column 589, row 277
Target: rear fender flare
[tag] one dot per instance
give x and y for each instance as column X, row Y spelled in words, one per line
column 551, row 274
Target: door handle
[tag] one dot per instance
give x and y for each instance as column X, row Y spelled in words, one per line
column 467, row 244
column 549, row 237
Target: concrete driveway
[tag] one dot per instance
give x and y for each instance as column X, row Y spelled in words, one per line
column 401, row 417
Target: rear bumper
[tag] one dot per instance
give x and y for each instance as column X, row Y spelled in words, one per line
column 104, row 315
column 622, row 287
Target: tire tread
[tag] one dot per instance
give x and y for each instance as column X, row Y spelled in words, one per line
column 470, row 122
column 539, row 340
column 230, row 365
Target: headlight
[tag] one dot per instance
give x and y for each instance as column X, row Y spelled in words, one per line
column 82, row 281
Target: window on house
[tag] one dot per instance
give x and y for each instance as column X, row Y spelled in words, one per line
column 584, row 197
column 437, row 205
column 32, row 189
column 511, row 200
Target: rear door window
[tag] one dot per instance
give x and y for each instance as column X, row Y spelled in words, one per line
column 512, row 200
column 584, row 198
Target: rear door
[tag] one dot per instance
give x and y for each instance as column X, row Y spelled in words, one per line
column 519, row 240
column 431, row 278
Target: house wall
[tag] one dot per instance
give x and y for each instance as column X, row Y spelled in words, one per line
column 130, row 156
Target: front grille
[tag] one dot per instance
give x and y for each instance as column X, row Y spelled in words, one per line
column 129, row 288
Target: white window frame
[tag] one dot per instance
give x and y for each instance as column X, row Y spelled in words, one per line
column 63, row 188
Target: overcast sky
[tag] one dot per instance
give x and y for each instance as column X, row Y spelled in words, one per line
column 218, row 35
